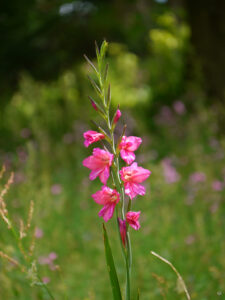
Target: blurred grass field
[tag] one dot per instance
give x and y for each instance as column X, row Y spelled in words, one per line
column 182, row 212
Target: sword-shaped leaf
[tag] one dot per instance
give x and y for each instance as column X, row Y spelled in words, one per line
column 111, row 268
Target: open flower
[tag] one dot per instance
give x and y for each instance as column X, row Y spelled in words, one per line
column 99, row 164
column 123, row 230
column 132, row 176
column 108, row 198
column 91, row 137
column 127, row 147
column 132, row 218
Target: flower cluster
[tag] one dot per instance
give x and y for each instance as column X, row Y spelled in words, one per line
column 119, row 185
column 131, row 176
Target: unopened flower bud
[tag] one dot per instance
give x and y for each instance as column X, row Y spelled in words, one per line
column 117, row 116
column 94, row 105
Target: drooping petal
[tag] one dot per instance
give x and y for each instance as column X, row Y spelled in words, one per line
column 94, row 174
column 132, row 218
column 127, row 156
column 104, row 175
column 134, row 189
column 107, row 211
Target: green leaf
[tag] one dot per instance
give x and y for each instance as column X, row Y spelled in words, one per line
column 95, row 86
column 91, row 63
column 111, row 267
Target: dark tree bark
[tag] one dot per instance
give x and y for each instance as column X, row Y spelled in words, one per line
column 207, row 22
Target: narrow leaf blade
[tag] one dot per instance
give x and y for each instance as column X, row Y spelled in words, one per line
column 111, row 268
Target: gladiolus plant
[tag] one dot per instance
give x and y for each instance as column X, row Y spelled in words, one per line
column 120, row 185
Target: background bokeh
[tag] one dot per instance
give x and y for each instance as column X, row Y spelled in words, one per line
column 166, row 71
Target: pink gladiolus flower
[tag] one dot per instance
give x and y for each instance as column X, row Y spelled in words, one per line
column 99, row 164
column 108, row 198
column 127, row 147
column 117, row 116
column 91, row 137
column 132, row 218
column 132, row 176
column 123, row 230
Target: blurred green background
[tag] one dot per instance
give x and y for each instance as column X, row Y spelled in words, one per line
column 166, row 70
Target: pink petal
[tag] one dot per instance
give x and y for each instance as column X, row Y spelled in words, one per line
column 104, row 175
column 91, row 163
column 127, row 156
column 132, row 218
column 106, row 195
column 134, row 189
column 99, row 198
column 131, row 143
column 140, row 173
column 91, row 136
column 107, row 211
column 94, row 174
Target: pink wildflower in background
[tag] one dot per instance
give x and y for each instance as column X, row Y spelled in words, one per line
column 45, row 280
column 179, row 107
column 122, row 226
column 117, row 116
column 38, row 233
column 99, row 164
column 197, row 177
column 132, row 176
column 52, row 256
column 91, row 136
column 127, row 147
column 108, row 198
column 56, row 189
column 217, row 185
column 169, row 172
column 132, row 218
column 48, row 260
